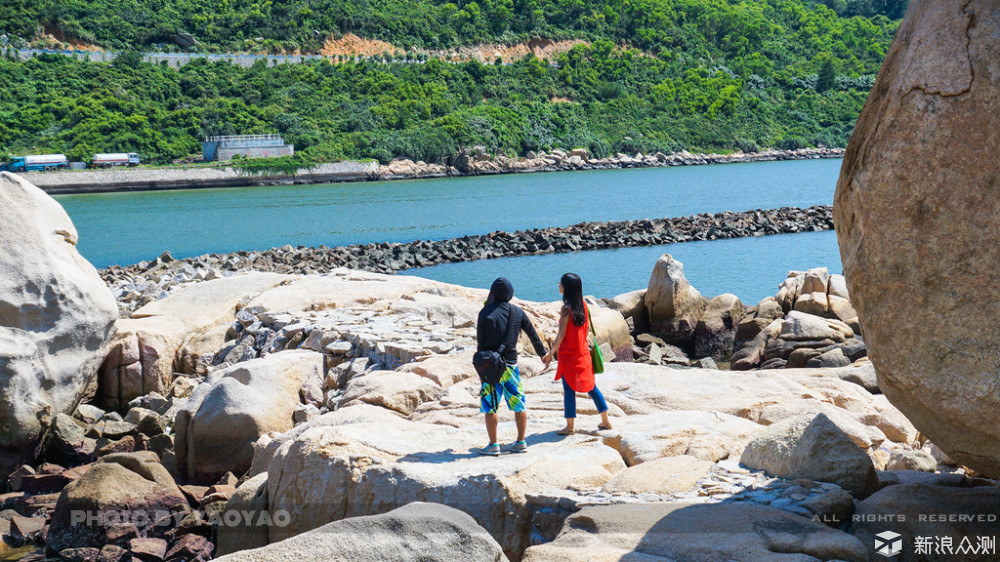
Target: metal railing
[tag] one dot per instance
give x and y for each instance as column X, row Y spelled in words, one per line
column 230, row 141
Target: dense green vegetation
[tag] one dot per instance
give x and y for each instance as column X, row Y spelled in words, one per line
column 713, row 75
column 730, row 27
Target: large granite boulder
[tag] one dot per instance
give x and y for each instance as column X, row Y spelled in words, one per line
column 674, row 306
column 120, row 490
column 918, row 226
column 684, row 531
column 57, row 318
column 216, row 429
column 815, row 448
column 427, row 532
column 716, row 330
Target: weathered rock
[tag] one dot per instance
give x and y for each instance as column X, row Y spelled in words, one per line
column 814, row 448
column 141, row 359
column 191, row 547
column 924, row 236
column 148, row 548
column 833, row 358
column 684, row 531
column 216, row 429
column 961, row 515
column 132, row 488
column 417, row 531
column 674, row 306
column 716, row 330
column 249, row 499
column 444, row 370
column 199, row 316
column 56, row 321
column 912, row 460
column 767, row 311
column 398, row 391
column 365, row 460
column 668, row 475
column 632, row 305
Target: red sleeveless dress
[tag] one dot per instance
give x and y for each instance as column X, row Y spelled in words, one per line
column 574, row 357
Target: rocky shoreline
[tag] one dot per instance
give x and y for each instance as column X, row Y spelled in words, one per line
column 145, row 281
column 466, row 163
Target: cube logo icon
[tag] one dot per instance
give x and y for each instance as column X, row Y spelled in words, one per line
column 888, row 544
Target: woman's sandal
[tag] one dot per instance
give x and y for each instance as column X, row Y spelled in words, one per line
column 604, row 427
column 566, row 431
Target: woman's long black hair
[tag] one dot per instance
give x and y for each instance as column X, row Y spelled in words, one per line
column 573, row 297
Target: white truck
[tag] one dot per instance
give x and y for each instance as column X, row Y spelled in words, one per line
column 130, row 159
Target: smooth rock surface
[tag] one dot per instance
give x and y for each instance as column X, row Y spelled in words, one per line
column 918, row 228
column 218, row 426
column 57, row 318
column 418, row 531
column 814, row 448
column 674, row 306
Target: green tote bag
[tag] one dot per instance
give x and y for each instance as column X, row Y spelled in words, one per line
column 595, row 351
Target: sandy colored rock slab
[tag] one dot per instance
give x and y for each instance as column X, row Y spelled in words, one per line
column 398, row 391
column 918, row 228
column 684, row 531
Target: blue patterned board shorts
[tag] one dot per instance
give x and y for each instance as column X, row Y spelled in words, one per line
column 510, row 387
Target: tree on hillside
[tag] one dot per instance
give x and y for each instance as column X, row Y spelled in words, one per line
column 827, row 78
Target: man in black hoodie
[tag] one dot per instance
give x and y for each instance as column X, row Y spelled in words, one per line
column 490, row 333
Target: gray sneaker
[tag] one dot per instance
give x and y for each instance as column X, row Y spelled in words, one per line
column 493, row 450
column 520, row 447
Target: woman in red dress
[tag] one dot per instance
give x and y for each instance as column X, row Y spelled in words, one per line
column 574, row 366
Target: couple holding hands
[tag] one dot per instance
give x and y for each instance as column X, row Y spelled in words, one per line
column 500, row 321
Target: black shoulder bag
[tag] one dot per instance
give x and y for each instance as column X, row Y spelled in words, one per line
column 490, row 364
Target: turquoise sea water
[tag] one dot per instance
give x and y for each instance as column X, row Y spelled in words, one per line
column 123, row 228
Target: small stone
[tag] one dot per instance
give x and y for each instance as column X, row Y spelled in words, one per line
column 26, row 529
column 112, row 553
column 88, row 414
column 228, row 479
column 191, row 547
column 85, row 554
column 148, row 549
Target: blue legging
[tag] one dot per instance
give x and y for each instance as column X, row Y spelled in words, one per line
column 569, row 400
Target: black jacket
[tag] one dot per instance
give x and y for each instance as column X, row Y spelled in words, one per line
column 493, row 319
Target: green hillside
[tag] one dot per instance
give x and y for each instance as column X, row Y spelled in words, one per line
column 659, row 75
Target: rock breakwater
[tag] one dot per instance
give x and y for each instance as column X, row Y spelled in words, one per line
column 146, row 281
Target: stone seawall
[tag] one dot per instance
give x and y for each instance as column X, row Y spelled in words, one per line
column 463, row 164
column 166, row 272
column 152, row 179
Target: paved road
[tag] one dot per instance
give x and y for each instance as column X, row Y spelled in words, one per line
column 178, row 59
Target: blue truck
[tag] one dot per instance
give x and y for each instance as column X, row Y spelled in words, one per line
column 36, row 163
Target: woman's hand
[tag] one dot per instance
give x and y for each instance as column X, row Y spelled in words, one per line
column 547, row 359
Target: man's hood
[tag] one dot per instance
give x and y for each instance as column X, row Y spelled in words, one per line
column 501, row 291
